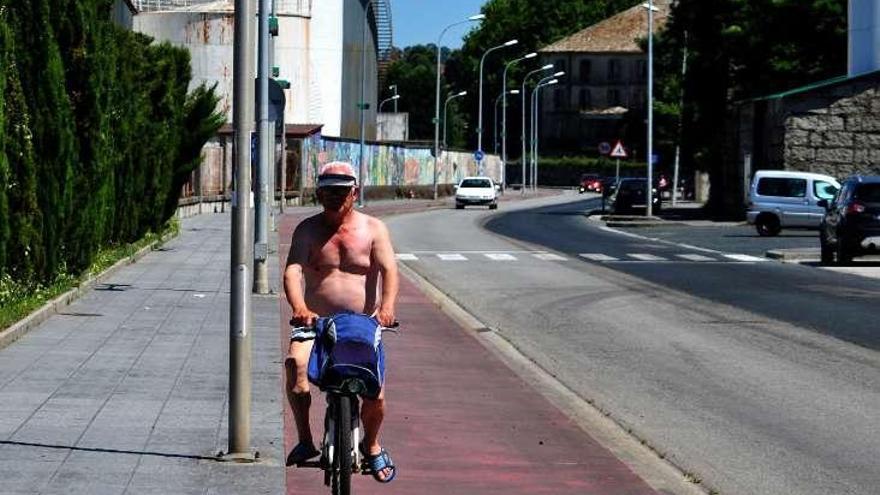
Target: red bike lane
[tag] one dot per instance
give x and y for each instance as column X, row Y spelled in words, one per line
column 458, row 420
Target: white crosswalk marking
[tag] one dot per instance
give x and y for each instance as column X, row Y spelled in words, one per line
column 406, row 257
column 500, row 256
column 597, row 257
column 549, row 257
column 695, row 257
column 645, row 257
column 451, row 257
column 744, row 257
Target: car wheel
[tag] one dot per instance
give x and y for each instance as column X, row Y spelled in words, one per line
column 493, row 206
column 767, row 225
column 827, row 253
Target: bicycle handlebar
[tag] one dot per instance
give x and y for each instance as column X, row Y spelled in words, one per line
column 309, row 332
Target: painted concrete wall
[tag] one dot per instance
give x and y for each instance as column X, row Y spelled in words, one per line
column 393, row 165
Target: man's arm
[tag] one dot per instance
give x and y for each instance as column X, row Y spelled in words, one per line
column 293, row 277
column 383, row 254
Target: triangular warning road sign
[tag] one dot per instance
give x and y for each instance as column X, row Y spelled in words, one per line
column 618, row 151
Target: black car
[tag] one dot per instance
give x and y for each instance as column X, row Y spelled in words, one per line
column 851, row 225
column 630, row 195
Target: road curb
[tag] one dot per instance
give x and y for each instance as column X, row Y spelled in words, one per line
column 801, row 254
column 35, row 318
column 650, row 465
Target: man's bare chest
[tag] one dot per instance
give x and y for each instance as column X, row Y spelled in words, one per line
column 348, row 251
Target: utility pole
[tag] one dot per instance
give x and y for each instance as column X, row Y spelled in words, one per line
column 240, row 280
column 266, row 138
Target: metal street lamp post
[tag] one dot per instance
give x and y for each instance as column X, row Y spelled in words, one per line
column 480, row 99
column 393, row 87
column 650, row 211
column 437, row 97
column 534, row 127
column 445, row 105
column 504, row 116
column 499, row 99
column 522, row 135
column 536, row 96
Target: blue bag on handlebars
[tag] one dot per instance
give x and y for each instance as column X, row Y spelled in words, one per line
column 348, row 345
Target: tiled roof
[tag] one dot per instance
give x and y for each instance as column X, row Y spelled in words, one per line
column 619, row 33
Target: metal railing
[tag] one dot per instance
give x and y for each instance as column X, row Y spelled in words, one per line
column 282, row 7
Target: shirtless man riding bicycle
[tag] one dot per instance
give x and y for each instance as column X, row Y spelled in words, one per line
column 338, row 261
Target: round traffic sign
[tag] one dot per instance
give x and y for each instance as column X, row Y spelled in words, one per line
column 604, row 148
column 478, row 155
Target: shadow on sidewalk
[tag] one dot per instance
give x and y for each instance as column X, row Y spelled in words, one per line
column 108, row 451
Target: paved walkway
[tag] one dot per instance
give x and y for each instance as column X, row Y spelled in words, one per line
column 125, row 392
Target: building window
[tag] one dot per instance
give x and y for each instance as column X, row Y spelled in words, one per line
column 585, row 71
column 613, row 70
column 613, row 98
column 584, row 99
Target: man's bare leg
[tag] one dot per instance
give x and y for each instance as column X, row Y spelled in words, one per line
column 372, row 414
column 298, row 394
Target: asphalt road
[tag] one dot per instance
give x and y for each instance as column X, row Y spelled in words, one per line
column 755, row 376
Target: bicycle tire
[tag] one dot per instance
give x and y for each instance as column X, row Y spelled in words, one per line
column 342, row 465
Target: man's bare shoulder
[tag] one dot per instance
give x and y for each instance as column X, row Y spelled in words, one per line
column 372, row 222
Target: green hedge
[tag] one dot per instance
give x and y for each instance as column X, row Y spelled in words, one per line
column 98, row 135
column 567, row 170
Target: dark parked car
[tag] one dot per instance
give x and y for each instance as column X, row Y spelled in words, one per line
column 590, row 182
column 630, row 196
column 851, row 225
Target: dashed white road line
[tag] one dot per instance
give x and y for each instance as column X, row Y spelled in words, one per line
column 695, row 257
column 500, row 256
column 549, row 257
column 744, row 257
column 645, row 257
column 406, row 257
column 451, row 257
column 597, row 257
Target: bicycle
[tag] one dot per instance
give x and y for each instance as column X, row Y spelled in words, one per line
column 344, row 367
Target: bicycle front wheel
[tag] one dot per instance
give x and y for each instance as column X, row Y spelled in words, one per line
column 342, row 463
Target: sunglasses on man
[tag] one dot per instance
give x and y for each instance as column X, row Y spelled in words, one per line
column 336, row 190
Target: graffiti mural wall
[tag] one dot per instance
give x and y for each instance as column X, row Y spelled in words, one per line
column 393, row 164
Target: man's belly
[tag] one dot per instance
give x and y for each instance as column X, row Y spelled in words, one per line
column 340, row 291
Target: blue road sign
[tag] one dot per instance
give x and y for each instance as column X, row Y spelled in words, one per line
column 478, row 155
column 604, row 148
column 655, row 159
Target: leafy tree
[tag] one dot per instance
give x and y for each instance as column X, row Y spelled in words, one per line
column 737, row 50
column 414, row 73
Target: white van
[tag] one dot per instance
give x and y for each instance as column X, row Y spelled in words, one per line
column 781, row 199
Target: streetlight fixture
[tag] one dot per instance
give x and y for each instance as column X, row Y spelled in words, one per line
column 386, row 100
column 480, row 109
column 522, row 135
column 536, row 97
column 472, row 18
column 504, row 116
column 498, row 99
column 445, row 105
column 534, row 106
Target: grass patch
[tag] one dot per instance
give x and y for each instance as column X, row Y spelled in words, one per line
column 18, row 298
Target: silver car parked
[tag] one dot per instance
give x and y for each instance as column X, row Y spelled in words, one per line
column 782, row 199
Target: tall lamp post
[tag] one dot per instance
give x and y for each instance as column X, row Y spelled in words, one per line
column 536, row 97
column 504, row 115
column 472, row 18
column 393, row 87
column 649, row 211
column 534, row 126
column 480, row 98
column 522, row 135
column 498, row 99
column 445, row 105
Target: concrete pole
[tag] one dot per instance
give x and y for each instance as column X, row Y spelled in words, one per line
column 261, row 238
column 240, row 297
column 283, row 163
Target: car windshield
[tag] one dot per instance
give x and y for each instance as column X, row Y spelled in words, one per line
column 869, row 193
column 476, row 183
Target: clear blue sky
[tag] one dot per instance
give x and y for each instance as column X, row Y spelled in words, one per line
column 419, row 22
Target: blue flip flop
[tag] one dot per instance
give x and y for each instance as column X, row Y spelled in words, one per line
column 374, row 464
